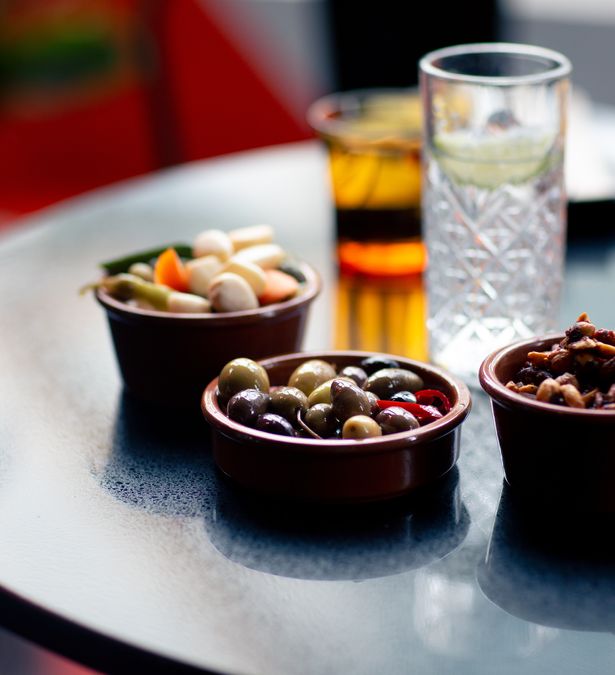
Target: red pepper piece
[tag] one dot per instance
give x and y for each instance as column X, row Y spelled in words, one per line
column 435, row 398
column 423, row 413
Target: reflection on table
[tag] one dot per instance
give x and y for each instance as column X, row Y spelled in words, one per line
column 381, row 314
column 551, row 569
column 339, row 542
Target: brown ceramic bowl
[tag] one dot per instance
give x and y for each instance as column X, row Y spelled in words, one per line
column 165, row 358
column 339, row 471
column 557, row 456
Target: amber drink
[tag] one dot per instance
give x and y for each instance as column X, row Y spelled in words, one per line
column 374, row 149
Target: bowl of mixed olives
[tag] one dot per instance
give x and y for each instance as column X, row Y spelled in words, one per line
column 337, row 426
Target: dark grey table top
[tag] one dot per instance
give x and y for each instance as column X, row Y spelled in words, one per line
column 120, row 544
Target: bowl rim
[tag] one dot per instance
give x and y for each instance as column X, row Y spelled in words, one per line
column 389, row 443
column 498, row 391
column 312, row 288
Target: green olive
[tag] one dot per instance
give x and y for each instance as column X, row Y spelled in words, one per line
column 245, row 406
column 348, row 400
column 240, row 374
column 321, row 420
column 308, row 375
column 358, row 375
column 388, row 381
column 286, row 401
column 394, row 419
column 322, row 393
column 361, row 426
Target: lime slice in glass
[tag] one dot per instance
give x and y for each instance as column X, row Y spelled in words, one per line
column 488, row 161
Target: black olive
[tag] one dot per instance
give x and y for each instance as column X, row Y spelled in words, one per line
column 404, row 396
column 373, row 363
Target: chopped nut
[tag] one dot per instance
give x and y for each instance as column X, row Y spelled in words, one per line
column 605, row 349
column 586, row 328
column 584, row 358
column 568, row 378
column 547, row 390
column 579, row 372
column 572, row 396
column 584, row 343
column 520, row 388
column 538, row 358
column 607, row 370
column 560, row 361
column 607, row 336
column 590, row 397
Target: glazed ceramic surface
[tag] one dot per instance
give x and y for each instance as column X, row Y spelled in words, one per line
column 165, row 358
column 339, row 471
column 560, row 457
column 125, row 547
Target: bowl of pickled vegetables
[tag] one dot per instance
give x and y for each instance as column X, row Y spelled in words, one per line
column 178, row 313
column 338, row 426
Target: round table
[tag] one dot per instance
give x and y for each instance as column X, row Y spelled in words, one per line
column 124, row 549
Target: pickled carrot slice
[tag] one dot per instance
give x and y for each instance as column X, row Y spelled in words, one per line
column 279, row 286
column 170, row 271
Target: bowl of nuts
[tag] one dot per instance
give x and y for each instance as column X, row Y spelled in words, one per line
column 334, row 427
column 178, row 313
column 553, row 401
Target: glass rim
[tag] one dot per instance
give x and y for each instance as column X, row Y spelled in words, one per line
column 326, row 126
column 562, row 66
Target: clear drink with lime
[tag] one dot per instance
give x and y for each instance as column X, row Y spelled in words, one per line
column 493, row 207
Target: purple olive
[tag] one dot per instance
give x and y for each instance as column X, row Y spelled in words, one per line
column 354, row 373
column 245, row 406
column 275, row 424
column 348, row 400
column 393, row 420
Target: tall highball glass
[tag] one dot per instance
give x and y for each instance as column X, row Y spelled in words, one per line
column 493, row 197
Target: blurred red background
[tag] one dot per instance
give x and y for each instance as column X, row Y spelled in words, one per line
column 94, row 91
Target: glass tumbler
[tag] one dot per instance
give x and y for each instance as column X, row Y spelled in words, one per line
column 493, row 197
column 373, row 141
